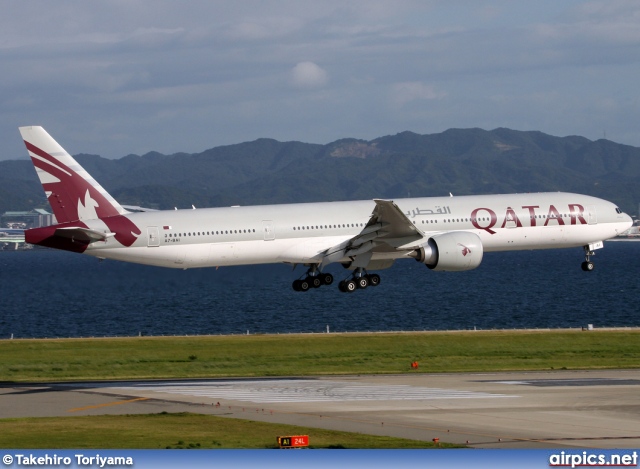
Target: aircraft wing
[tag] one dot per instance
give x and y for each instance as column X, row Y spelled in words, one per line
column 82, row 235
column 397, row 226
column 387, row 230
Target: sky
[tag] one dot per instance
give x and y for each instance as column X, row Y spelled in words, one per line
column 132, row 76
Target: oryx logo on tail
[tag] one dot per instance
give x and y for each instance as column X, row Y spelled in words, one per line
column 74, row 196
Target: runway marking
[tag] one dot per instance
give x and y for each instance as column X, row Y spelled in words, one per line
column 307, row 391
column 98, row 406
column 572, row 382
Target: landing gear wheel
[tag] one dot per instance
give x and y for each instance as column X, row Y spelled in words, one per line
column 588, row 266
column 304, row 285
column 362, row 282
column 296, row 285
column 315, row 282
column 374, row 280
column 327, row 279
column 348, row 286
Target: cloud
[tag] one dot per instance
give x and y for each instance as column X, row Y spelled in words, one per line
column 263, row 28
column 403, row 93
column 112, row 79
column 308, row 75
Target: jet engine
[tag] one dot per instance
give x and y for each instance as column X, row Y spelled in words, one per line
column 453, row 251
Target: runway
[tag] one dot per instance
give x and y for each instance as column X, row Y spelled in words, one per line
column 577, row 409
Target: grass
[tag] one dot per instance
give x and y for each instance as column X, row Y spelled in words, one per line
column 314, row 354
column 273, row 355
column 176, row 431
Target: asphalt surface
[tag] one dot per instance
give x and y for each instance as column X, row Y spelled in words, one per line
column 555, row 409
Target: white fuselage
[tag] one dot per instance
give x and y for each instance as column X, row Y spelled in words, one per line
column 301, row 233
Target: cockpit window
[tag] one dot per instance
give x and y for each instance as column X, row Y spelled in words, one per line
column 618, row 210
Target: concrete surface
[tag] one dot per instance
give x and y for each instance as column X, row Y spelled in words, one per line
column 585, row 409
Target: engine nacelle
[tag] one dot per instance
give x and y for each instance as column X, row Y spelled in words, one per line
column 454, row 251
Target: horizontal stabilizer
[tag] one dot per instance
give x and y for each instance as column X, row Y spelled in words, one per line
column 82, row 235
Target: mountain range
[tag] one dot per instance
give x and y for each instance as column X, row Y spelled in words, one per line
column 266, row 171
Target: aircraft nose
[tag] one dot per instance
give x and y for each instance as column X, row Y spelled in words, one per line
column 628, row 221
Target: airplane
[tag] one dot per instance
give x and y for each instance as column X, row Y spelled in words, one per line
column 444, row 233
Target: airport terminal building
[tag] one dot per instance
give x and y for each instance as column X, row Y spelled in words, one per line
column 13, row 224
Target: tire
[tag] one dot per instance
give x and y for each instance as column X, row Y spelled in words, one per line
column 374, row 280
column 315, row 282
column 588, row 266
column 327, row 279
column 341, row 287
column 350, row 286
column 296, row 285
column 304, row 285
column 362, row 282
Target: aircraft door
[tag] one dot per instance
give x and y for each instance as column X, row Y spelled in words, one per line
column 153, row 237
column 268, row 230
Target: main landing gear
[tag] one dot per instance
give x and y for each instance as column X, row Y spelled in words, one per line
column 588, row 265
column 312, row 279
column 359, row 280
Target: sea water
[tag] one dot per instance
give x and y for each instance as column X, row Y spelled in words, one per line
column 48, row 293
